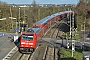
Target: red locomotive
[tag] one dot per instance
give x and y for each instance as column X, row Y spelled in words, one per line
column 30, row 38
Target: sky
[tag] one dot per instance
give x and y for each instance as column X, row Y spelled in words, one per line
column 41, row 1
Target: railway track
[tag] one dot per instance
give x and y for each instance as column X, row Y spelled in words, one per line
column 25, row 57
column 53, row 25
column 11, row 54
column 53, row 31
column 50, row 53
column 42, row 52
column 39, row 52
column 14, row 54
column 45, row 52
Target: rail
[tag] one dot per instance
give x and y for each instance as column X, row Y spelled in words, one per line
column 25, row 57
column 11, row 53
column 45, row 53
column 51, row 28
column 50, row 53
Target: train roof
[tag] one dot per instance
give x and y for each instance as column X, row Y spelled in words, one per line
column 64, row 12
column 42, row 21
column 33, row 30
column 53, row 15
column 61, row 13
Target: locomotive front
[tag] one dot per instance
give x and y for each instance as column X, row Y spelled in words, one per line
column 27, row 42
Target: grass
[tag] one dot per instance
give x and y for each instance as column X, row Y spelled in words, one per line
column 77, row 37
column 66, row 54
column 89, row 22
column 2, row 30
column 6, row 30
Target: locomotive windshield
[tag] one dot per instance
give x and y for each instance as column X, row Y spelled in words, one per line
column 27, row 37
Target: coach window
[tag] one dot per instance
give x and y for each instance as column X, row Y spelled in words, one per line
column 45, row 23
column 52, row 18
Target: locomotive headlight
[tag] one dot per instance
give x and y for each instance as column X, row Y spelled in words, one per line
column 22, row 42
column 21, row 48
column 31, row 43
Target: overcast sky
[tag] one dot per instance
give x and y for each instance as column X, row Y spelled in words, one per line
column 41, row 1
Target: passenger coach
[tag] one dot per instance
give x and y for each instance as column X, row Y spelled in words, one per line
column 30, row 38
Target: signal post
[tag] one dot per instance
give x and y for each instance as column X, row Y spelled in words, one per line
column 73, row 34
